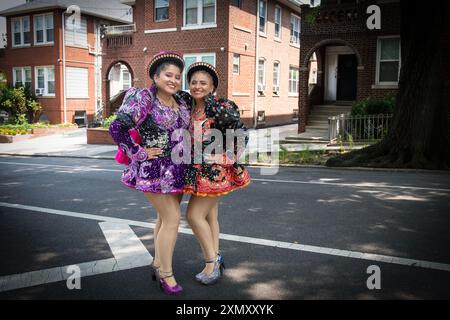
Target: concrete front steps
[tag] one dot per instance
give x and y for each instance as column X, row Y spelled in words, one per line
column 317, row 126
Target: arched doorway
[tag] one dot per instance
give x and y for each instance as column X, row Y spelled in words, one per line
column 119, row 78
column 339, row 66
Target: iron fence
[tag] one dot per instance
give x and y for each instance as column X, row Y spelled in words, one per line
column 362, row 128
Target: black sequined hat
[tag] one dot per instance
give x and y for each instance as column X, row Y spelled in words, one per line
column 203, row 66
column 164, row 56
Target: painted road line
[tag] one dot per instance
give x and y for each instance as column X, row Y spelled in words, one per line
column 350, row 185
column 353, row 185
column 258, row 241
column 126, row 247
column 129, row 252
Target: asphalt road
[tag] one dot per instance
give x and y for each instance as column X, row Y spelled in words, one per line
column 303, row 233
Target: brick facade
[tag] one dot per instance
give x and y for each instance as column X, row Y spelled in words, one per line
column 235, row 33
column 52, row 55
column 344, row 25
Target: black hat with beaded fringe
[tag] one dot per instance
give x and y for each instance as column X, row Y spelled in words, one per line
column 162, row 57
column 203, row 66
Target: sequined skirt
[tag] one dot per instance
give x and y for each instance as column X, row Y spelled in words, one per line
column 215, row 180
column 158, row 175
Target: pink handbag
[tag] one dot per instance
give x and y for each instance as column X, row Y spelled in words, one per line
column 121, row 156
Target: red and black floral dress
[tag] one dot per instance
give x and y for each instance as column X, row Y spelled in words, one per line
column 225, row 174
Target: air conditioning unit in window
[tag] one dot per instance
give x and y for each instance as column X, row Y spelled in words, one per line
column 294, row 39
column 276, row 89
column 261, row 87
column 39, row 91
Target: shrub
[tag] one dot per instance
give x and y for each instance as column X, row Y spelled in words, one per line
column 19, row 104
column 107, row 121
column 373, row 106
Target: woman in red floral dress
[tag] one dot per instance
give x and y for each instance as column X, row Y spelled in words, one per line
column 213, row 175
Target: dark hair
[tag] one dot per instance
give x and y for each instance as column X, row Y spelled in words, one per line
column 204, row 72
column 162, row 67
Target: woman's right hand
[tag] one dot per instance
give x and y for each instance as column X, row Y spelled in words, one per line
column 153, row 153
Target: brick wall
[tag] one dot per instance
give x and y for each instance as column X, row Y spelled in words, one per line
column 334, row 26
column 278, row 108
column 209, row 40
column 235, row 33
column 51, row 55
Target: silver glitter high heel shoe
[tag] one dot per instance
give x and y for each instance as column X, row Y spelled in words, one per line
column 215, row 275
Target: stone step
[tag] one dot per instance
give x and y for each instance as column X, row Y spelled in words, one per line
column 301, row 141
column 319, row 123
column 320, row 128
column 328, row 112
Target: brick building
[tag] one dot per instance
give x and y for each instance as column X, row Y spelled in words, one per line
column 35, row 54
column 353, row 61
column 253, row 44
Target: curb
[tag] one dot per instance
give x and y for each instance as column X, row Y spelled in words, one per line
column 255, row 165
column 55, row 156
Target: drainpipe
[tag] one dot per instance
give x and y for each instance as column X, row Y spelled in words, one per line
column 255, row 104
column 64, row 67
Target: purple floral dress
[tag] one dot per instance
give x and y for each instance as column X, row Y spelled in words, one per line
column 156, row 124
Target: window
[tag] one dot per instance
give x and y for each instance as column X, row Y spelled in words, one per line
column 45, row 80
column 126, row 79
column 236, row 3
column 236, row 63
column 76, row 36
column 262, row 16
column 22, row 76
column 388, row 60
column 295, row 30
column 199, row 12
column 21, row 31
column 43, row 29
column 293, row 80
column 261, row 75
column 191, row 58
column 161, row 10
column 77, row 81
column 276, row 77
column 278, row 22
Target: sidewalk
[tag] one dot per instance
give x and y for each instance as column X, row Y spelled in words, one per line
column 73, row 144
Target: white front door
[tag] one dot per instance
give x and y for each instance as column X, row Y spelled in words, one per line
column 331, row 77
column 331, row 67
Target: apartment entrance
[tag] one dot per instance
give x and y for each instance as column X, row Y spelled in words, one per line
column 340, row 74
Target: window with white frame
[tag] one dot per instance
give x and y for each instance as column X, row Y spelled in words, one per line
column 45, row 80
column 22, row 76
column 261, row 74
column 262, row 16
column 278, row 22
column 191, row 58
column 77, row 81
column 293, row 80
column 21, row 31
column 276, row 77
column 126, row 79
column 236, row 63
column 77, row 36
column 199, row 12
column 295, row 29
column 161, row 10
column 388, row 60
column 43, row 28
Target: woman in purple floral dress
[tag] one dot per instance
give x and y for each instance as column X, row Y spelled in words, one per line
column 157, row 113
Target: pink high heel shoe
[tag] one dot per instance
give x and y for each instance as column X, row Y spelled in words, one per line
column 164, row 286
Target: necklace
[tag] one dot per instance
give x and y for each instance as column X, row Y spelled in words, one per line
column 198, row 111
column 172, row 104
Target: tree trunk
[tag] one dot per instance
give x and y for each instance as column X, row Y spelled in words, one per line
column 418, row 137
